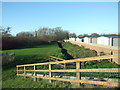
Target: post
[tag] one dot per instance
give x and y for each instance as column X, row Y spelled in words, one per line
column 64, row 65
column 98, row 54
column 35, row 74
column 24, row 72
column 78, row 76
column 111, row 53
column 50, row 74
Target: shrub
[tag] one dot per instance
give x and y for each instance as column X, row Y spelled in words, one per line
column 17, row 42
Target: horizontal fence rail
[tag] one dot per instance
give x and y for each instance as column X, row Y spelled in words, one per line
column 78, row 71
column 75, row 60
column 77, row 81
column 57, row 58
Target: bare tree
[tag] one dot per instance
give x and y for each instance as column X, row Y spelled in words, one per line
column 25, row 34
column 72, row 35
column 5, row 32
column 52, row 33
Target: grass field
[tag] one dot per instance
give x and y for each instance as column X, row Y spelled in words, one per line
column 38, row 54
column 25, row 56
column 35, row 54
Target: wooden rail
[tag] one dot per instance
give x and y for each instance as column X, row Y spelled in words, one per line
column 77, row 81
column 74, row 60
column 78, row 71
column 57, row 59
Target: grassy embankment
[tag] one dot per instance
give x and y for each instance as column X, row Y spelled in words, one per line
column 80, row 52
column 38, row 54
column 26, row 56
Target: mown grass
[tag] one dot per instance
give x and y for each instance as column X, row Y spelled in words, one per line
column 36, row 54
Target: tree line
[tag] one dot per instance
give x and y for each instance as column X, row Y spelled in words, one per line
column 48, row 34
column 73, row 35
column 43, row 35
column 27, row 39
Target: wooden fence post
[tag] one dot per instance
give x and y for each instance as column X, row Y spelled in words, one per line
column 35, row 74
column 64, row 65
column 78, row 76
column 24, row 72
column 111, row 53
column 50, row 74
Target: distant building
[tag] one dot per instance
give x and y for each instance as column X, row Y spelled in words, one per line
column 72, row 39
column 80, row 39
column 103, row 40
column 87, row 40
column 110, row 40
column 93, row 39
column 116, row 41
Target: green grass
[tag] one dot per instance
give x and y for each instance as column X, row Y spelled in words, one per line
column 45, row 50
column 103, row 65
column 39, row 54
column 78, row 52
column 10, row 80
column 95, row 74
column 36, row 54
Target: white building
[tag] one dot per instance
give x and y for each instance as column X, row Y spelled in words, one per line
column 87, row 39
column 91, row 39
column 80, row 39
column 72, row 39
column 110, row 40
column 94, row 39
column 116, row 41
column 103, row 40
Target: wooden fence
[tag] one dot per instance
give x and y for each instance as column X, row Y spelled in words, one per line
column 77, row 71
column 60, row 59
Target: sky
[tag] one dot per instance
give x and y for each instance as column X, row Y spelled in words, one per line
column 76, row 17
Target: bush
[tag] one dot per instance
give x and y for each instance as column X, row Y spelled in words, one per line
column 17, row 42
column 8, row 57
